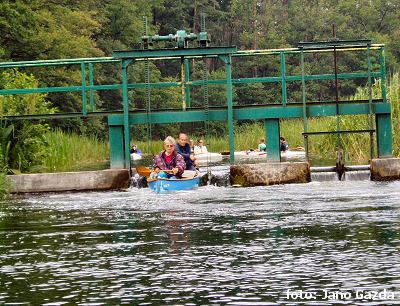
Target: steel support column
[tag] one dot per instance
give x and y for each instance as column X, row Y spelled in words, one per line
column 91, row 83
column 384, row 135
column 83, row 82
column 272, row 139
column 283, row 81
column 228, row 64
column 117, row 153
column 187, row 80
column 125, row 64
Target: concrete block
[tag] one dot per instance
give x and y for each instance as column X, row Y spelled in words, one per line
column 70, row 181
column 385, row 169
column 270, row 173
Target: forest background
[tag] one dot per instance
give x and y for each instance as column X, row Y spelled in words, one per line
column 41, row 30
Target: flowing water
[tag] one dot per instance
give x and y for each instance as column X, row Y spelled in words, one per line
column 322, row 243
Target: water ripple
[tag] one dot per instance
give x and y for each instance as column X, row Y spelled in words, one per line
column 232, row 246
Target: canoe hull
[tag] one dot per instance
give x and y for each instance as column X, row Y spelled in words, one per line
column 162, row 185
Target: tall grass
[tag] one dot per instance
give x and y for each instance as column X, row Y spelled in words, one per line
column 394, row 98
column 71, row 152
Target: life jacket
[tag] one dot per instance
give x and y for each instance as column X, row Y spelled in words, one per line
column 172, row 163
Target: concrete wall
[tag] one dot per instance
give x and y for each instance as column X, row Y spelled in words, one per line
column 270, row 173
column 385, row 169
column 70, row 181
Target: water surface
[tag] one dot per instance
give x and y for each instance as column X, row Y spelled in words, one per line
column 212, row 246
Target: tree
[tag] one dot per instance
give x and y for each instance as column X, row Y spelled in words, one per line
column 22, row 143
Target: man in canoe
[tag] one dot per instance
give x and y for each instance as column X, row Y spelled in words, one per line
column 183, row 148
column 169, row 160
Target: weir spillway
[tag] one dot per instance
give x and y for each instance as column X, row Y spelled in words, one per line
column 223, row 176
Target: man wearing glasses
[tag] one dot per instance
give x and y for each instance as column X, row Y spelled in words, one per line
column 183, row 148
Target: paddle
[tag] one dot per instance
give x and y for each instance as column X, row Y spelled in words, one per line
column 143, row 171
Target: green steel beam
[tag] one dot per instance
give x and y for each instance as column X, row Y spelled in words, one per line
column 58, row 62
column 345, row 43
column 290, row 78
column 332, row 76
column 78, row 61
column 248, row 112
column 63, row 115
column 192, row 83
column 39, row 90
column 139, row 54
column 247, row 53
column 297, row 111
column 168, row 116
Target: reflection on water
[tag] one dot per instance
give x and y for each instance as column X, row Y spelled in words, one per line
column 230, row 246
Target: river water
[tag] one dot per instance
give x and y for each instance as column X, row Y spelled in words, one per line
column 321, row 243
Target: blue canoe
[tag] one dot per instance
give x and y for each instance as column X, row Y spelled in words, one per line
column 163, row 185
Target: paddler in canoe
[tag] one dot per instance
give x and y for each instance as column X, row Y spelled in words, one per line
column 184, row 149
column 169, row 160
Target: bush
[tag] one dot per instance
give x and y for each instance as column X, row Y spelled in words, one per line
column 22, row 143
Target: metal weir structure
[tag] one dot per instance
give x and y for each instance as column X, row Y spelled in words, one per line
column 271, row 112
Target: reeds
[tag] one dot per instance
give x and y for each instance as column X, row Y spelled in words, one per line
column 71, row 152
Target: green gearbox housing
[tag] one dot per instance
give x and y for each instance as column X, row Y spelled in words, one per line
column 181, row 39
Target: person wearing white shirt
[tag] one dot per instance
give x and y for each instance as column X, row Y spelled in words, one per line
column 200, row 148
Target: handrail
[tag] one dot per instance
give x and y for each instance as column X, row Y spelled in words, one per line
column 110, row 59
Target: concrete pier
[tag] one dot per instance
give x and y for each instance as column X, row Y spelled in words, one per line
column 70, row 181
column 270, row 173
column 385, row 169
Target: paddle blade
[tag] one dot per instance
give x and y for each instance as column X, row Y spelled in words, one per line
column 143, row 171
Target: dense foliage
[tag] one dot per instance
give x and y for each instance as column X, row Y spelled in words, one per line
column 40, row 29
column 22, row 143
column 56, row 29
